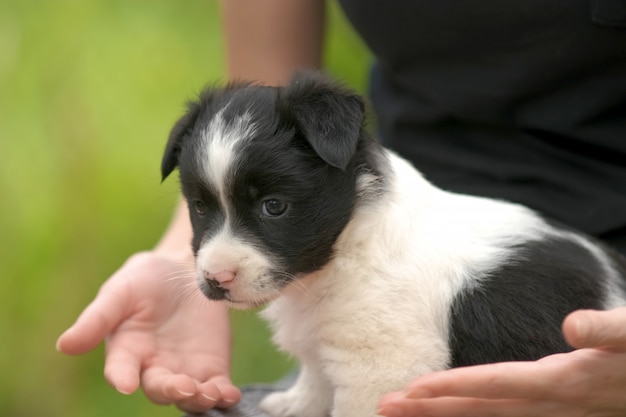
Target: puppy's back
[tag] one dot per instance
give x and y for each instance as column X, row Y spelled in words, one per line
column 516, row 311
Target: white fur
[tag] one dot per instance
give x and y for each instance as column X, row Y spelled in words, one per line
column 225, row 252
column 399, row 264
column 219, row 144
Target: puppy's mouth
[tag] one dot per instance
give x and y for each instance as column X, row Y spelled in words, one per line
column 240, row 296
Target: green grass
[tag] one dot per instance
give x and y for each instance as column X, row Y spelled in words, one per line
column 88, row 93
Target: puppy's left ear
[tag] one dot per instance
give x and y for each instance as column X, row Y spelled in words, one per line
column 329, row 116
column 181, row 130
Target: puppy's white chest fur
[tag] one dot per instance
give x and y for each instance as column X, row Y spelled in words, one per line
column 346, row 340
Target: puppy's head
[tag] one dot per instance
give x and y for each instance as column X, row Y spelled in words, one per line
column 270, row 178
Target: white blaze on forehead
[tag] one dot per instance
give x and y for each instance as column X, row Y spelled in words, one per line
column 220, row 141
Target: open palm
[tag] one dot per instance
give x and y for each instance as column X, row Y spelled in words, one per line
column 160, row 333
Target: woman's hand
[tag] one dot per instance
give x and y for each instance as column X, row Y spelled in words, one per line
column 590, row 381
column 160, row 333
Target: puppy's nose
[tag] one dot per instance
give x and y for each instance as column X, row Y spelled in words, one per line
column 223, row 278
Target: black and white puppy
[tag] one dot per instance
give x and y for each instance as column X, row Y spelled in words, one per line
column 373, row 276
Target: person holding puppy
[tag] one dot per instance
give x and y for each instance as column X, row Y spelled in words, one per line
column 521, row 102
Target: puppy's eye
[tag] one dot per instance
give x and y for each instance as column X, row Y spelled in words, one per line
column 199, row 207
column 274, row 207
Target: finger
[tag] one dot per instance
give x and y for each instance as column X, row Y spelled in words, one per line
column 165, row 387
column 121, row 369
column 229, row 394
column 218, row 392
column 205, row 398
column 471, row 407
column 99, row 319
column 507, row 380
column 599, row 329
column 388, row 400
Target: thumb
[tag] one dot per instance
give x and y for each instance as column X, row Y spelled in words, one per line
column 98, row 320
column 596, row 329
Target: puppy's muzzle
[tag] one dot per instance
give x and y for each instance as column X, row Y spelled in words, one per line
column 218, row 284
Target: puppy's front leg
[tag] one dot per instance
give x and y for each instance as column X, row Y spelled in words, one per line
column 310, row 396
column 362, row 381
column 355, row 401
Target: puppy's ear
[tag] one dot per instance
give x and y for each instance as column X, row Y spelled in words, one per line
column 329, row 116
column 181, row 130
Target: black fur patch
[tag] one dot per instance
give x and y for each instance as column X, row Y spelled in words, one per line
column 517, row 310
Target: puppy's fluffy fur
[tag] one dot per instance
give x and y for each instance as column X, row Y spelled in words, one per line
column 373, row 276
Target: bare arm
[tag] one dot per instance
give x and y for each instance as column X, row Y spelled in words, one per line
column 176, row 241
column 266, row 40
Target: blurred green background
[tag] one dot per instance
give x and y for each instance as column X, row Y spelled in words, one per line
column 88, row 93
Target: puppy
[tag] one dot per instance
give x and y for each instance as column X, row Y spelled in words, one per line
column 372, row 275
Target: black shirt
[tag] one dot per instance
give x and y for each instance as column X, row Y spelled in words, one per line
column 519, row 100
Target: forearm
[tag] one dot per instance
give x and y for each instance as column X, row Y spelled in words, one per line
column 176, row 241
column 267, row 40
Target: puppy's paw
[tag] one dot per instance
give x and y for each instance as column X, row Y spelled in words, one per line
column 291, row 404
column 278, row 404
